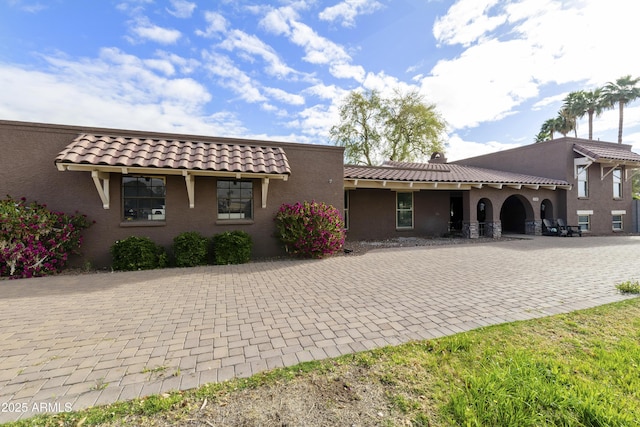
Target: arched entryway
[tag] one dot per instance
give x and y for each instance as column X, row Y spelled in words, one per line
column 546, row 212
column 484, row 215
column 516, row 211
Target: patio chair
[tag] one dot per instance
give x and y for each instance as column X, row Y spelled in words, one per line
column 568, row 230
column 549, row 229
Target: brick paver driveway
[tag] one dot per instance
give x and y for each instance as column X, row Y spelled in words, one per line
column 69, row 342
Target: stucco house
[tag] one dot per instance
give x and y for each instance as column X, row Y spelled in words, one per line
column 159, row 185
column 586, row 183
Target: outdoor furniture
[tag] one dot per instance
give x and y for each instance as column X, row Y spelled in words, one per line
column 568, row 230
column 550, row 229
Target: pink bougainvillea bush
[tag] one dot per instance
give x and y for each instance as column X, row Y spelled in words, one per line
column 310, row 229
column 35, row 241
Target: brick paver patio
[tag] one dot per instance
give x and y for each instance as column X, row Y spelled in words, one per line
column 70, row 342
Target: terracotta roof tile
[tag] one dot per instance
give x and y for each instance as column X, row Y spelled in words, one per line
column 606, row 151
column 174, row 154
column 443, row 172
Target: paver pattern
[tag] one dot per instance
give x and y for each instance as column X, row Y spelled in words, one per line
column 70, row 342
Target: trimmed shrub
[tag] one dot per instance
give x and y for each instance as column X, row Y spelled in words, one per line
column 190, row 249
column 232, row 247
column 310, row 230
column 137, row 253
column 35, row 241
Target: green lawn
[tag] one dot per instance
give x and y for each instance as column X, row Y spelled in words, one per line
column 578, row 369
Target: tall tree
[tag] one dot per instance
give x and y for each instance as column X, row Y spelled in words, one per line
column 401, row 128
column 547, row 130
column 412, row 128
column 595, row 106
column 565, row 122
column 358, row 131
column 575, row 105
column 621, row 92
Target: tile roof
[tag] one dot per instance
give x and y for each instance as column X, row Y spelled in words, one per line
column 444, row 173
column 103, row 150
column 606, row 151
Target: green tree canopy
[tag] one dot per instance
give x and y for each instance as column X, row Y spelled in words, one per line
column 623, row 91
column 576, row 104
column 400, row 128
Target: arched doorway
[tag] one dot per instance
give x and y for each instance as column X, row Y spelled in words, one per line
column 546, row 212
column 484, row 215
column 515, row 213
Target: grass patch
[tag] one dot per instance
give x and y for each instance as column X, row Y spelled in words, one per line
column 577, row 369
column 629, row 287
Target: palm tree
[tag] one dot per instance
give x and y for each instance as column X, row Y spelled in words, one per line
column 575, row 107
column 583, row 102
column 565, row 122
column 548, row 128
column 623, row 91
column 542, row 136
column 595, row 106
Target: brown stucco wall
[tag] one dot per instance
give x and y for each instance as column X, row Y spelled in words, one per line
column 600, row 200
column 27, row 170
column 554, row 159
column 547, row 159
column 372, row 214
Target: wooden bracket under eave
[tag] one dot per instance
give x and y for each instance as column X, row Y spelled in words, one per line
column 265, row 191
column 101, row 181
column 190, row 182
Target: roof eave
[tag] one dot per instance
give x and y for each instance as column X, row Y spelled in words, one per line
column 355, row 183
column 127, row 170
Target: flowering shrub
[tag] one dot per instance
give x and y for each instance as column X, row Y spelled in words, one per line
column 310, row 230
column 35, row 241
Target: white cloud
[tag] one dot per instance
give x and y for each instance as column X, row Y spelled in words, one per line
column 341, row 70
column 316, row 121
column 252, row 45
column 230, row 76
column 185, row 65
column 348, row 10
column 318, row 50
column 148, row 31
column 116, row 90
column 28, row 6
column 514, row 51
column 216, row 24
column 323, row 91
column 276, row 21
column 466, row 22
column 283, row 96
column 457, row 148
column 166, row 67
column 182, row 8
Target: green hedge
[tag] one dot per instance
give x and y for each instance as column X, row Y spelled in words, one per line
column 232, row 247
column 137, row 253
column 190, row 249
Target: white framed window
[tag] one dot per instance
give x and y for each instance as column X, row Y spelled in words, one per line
column 617, row 183
column 584, row 222
column 404, row 210
column 617, row 220
column 616, row 223
column 584, row 219
column 346, row 209
column 582, row 175
column 143, row 198
column 235, row 199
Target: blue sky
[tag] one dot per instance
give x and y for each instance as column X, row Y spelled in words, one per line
column 495, row 69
